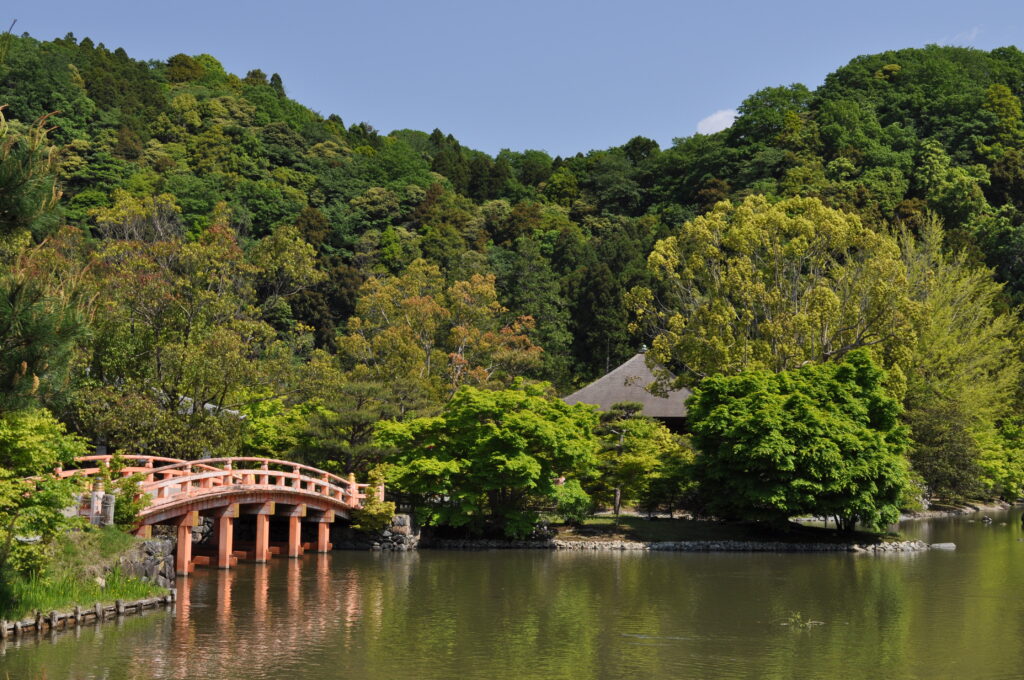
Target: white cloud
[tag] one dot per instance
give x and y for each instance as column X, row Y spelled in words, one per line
column 965, row 37
column 717, row 121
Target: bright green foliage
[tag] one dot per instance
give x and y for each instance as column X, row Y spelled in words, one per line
column 822, row 440
column 572, row 503
column 272, row 428
column 130, row 503
column 32, row 445
column 672, row 486
column 953, row 192
column 72, row 562
column 963, row 375
column 33, row 442
column 1000, row 100
column 491, row 459
column 634, row 450
column 376, row 514
column 1002, row 458
column 48, row 593
column 152, row 218
column 762, row 285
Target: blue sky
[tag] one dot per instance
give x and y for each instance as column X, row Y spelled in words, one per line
column 559, row 76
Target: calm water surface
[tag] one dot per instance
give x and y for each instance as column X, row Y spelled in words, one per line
column 537, row 614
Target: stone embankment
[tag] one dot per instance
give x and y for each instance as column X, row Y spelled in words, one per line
column 683, row 546
column 150, row 561
column 401, row 536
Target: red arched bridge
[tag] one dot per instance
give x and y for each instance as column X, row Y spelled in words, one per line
column 259, row 499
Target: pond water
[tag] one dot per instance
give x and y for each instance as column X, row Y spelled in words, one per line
column 540, row 614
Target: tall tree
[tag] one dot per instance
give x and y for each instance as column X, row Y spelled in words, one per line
column 964, row 374
column 775, row 286
column 530, row 288
column 28, row 189
column 39, row 319
column 415, row 329
column 634, row 451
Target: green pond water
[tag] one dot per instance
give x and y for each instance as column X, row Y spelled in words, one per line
column 520, row 615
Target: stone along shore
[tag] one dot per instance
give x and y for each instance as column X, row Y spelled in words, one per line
column 688, row 546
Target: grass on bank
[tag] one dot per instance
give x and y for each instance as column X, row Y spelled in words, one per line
column 77, row 574
column 631, row 528
column 45, row 593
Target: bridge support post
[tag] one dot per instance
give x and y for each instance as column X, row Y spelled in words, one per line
column 183, row 553
column 224, row 529
column 294, row 536
column 145, row 531
column 224, row 534
column 262, row 537
column 323, row 537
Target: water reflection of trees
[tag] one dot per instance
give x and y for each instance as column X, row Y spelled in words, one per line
column 526, row 615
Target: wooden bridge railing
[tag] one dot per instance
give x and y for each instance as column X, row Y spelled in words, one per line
column 223, row 489
column 166, row 479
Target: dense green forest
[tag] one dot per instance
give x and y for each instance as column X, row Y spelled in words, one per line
column 185, row 246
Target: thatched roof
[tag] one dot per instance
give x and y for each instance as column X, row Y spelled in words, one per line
column 628, row 382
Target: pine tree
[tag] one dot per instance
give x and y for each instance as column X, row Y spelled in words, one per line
column 28, row 190
column 36, row 331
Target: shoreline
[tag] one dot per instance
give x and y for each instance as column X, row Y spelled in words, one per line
column 957, row 510
column 693, row 536
column 98, row 613
column 723, row 546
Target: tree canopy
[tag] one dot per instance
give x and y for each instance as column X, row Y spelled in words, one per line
column 773, row 286
column 822, row 440
column 492, row 459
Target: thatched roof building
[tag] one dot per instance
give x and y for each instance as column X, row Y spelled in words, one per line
column 629, row 382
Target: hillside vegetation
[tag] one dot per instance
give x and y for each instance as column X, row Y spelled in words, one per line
column 186, row 246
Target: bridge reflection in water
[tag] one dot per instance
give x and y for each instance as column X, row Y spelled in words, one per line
column 268, row 612
column 260, row 507
column 553, row 615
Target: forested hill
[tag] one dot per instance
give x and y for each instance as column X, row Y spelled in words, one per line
column 183, row 145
